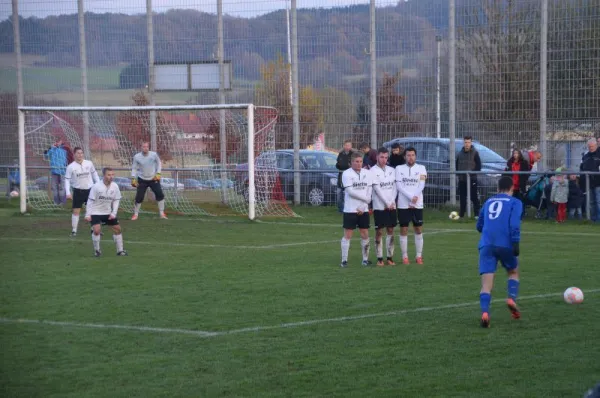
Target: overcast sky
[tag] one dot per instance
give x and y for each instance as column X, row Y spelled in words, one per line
column 242, row 8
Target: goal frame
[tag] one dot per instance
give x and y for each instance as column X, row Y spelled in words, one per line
column 22, row 111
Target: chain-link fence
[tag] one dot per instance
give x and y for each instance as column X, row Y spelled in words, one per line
column 524, row 73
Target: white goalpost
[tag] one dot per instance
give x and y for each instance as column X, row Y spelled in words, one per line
column 197, row 180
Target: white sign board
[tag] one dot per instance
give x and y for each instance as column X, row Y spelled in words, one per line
column 194, row 76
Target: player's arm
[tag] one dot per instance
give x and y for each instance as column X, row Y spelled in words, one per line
column 95, row 176
column 134, row 171
column 115, row 204
column 515, row 225
column 90, row 204
column 481, row 219
column 421, row 186
column 354, row 193
column 477, row 162
column 158, row 168
column 400, row 186
column 68, row 175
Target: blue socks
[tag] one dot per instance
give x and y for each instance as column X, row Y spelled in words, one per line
column 513, row 289
column 484, row 301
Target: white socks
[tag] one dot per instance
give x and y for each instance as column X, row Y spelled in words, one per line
column 96, row 242
column 74, row 222
column 161, row 206
column 379, row 249
column 345, row 248
column 137, row 207
column 419, row 245
column 119, row 242
column 389, row 245
column 404, row 246
column 364, row 244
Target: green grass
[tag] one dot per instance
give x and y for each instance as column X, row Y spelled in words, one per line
column 53, row 80
column 194, row 274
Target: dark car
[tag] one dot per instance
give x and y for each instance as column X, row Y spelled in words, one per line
column 123, row 183
column 191, row 183
column 318, row 177
column 434, row 154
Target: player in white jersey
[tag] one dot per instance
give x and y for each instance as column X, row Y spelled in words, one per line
column 410, row 181
column 384, row 205
column 102, row 208
column 145, row 173
column 357, row 185
column 80, row 175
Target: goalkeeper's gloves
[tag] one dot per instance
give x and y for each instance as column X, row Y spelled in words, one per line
column 516, row 250
column 156, row 177
column 134, row 182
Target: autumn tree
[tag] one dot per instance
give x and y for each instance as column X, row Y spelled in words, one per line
column 273, row 91
column 134, row 126
column 497, row 78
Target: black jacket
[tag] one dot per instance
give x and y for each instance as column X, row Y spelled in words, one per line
column 575, row 195
column 396, row 160
column 468, row 161
column 591, row 162
column 342, row 164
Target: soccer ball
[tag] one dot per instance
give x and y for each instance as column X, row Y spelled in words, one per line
column 573, row 295
column 14, row 194
column 453, row 216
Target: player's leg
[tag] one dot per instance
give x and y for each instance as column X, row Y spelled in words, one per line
column 462, row 195
column 118, row 237
column 160, row 198
column 96, row 231
column 139, row 197
column 349, row 223
column 379, row 216
column 487, row 268
column 363, row 227
column 511, row 264
column 75, row 220
column 80, row 196
column 417, row 221
column 389, row 245
column 403, row 221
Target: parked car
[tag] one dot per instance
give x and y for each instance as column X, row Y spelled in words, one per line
column 169, row 184
column 434, row 154
column 191, row 183
column 215, row 183
column 318, row 177
column 123, row 183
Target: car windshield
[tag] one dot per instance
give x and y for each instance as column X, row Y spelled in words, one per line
column 485, row 154
column 319, row 161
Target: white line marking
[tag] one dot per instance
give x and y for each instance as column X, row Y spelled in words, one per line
column 205, row 334
column 242, row 247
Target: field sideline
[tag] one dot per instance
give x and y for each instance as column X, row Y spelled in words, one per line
column 227, row 307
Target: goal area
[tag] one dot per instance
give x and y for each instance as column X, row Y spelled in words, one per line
column 208, row 155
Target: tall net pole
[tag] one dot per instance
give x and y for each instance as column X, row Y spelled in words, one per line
column 84, row 77
column 452, row 99
column 544, row 82
column 373, row 76
column 151, row 72
column 295, row 104
column 220, row 55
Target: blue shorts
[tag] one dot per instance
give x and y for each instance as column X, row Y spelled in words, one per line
column 490, row 255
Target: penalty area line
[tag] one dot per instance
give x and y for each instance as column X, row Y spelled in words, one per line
column 261, row 328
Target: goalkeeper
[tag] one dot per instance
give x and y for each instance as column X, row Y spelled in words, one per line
column 145, row 174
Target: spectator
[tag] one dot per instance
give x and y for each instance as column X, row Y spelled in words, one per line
column 533, row 157
column 559, row 197
column 370, row 155
column 397, row 156
column 575, row 198
column 14, row 178
column 57, row 155
column 518, row 163
column 343, row 164
column 591, row 162
column 468, row 160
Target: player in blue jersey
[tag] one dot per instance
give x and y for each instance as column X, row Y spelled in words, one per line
column 500, row 225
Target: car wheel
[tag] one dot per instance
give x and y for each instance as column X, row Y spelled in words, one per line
column 315, row 196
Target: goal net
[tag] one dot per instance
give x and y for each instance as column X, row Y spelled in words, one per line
column 216, row 160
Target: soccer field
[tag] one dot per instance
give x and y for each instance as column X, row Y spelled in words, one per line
column 227, row 307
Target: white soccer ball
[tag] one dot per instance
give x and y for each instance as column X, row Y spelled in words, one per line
column 14, row 194
column 573, row 295
column 453, row 216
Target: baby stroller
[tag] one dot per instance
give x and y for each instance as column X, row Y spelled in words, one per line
column 537, row 195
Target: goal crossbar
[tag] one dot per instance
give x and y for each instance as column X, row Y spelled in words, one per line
column 250, row 108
